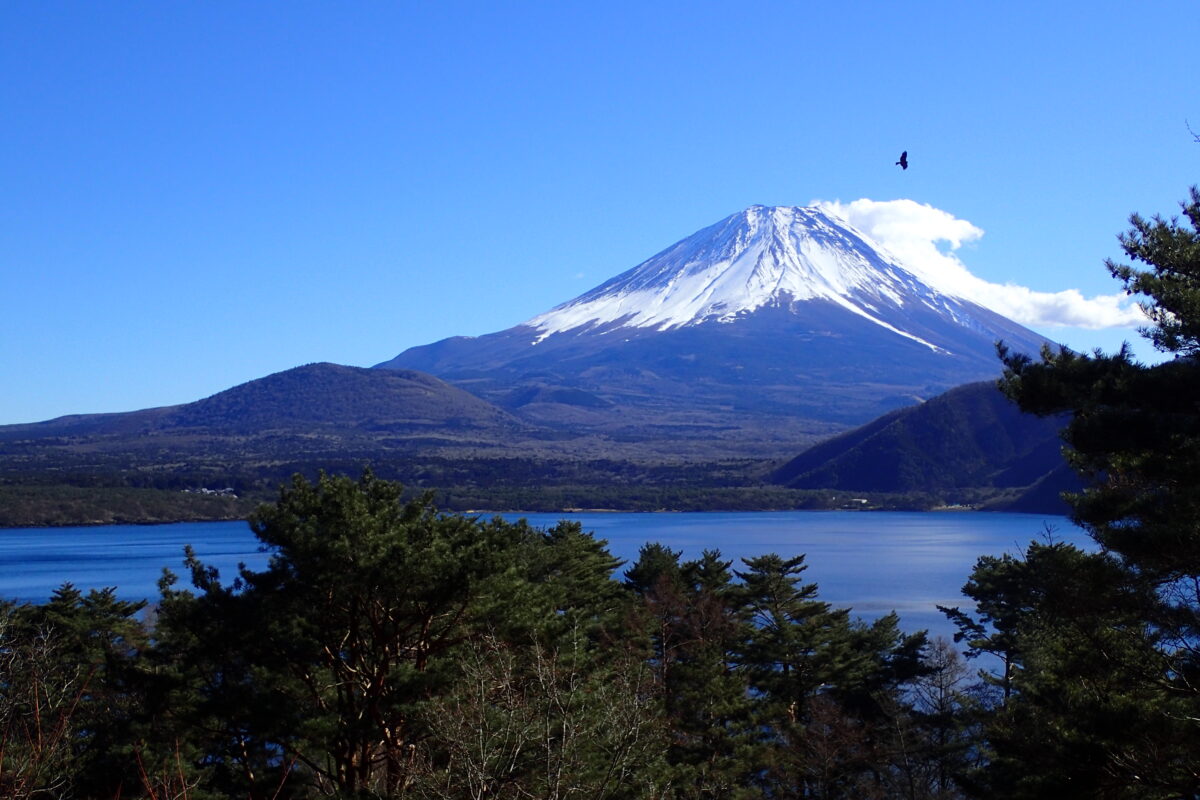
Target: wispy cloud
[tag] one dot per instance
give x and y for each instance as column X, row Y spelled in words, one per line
column 925, row 239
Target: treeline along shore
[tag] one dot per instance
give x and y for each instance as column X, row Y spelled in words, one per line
column 55, row 506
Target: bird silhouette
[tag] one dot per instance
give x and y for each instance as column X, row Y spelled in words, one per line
column 903, row 162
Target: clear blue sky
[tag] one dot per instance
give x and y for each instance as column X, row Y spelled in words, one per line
column 199, row 194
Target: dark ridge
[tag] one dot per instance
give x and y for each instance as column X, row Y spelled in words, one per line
column 971, row 436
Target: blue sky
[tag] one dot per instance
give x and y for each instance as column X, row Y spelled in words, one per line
column 200, row 194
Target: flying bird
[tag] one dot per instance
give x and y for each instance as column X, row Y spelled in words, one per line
column 903, row 162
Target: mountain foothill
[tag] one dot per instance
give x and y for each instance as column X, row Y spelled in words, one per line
column 777, row 358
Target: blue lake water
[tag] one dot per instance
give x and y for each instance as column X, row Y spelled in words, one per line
column 873, row 562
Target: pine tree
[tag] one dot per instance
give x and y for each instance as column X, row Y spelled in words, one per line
column 385, row 640
column 693, row 617
column 830, row 691
column 1134, row 435
column 69, row 694
column 327, row 655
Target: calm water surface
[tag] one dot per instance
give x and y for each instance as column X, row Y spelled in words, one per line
column 873, row 562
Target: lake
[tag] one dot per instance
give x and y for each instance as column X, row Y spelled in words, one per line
column 873, row 562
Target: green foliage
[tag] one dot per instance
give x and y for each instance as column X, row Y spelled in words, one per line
column 793, row 642
column 696, row 624
column 1134, row 430
column 69, row 694
column 1172, row 252
column 110, row 495
column 321, row 670
column 392, row 650
column 1103, row 696
column 830, row 688
column 107, row 505
column 1081, row 706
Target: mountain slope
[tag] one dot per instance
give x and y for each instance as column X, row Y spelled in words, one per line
column 319, row 416
column 972, row 436
column 315, row 396
column 773, row 326
column 756, row 259
column 335, row 396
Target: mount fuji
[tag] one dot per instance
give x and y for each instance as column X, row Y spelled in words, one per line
column 775, row 326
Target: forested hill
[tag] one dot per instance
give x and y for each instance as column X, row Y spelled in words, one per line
column 972, row 436
column 322, row 395
column 968, row 447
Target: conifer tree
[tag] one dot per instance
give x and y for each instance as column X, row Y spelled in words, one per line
column 716, row 749
column 326, row 672
column 69, row 694
column 694, row 618
column 1134, row 435
column 829, row 690
column 327, row 654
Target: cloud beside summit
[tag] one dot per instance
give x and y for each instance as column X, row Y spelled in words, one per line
column 925, row 239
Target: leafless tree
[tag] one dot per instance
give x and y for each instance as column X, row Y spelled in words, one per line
column 39, row 699
column 542, row 722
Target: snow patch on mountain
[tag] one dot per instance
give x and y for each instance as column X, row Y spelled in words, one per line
column 758, row 257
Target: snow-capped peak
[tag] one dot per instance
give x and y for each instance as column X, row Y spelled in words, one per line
column 758, row 257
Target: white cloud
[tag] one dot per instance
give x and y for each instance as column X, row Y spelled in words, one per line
column 913, row 232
